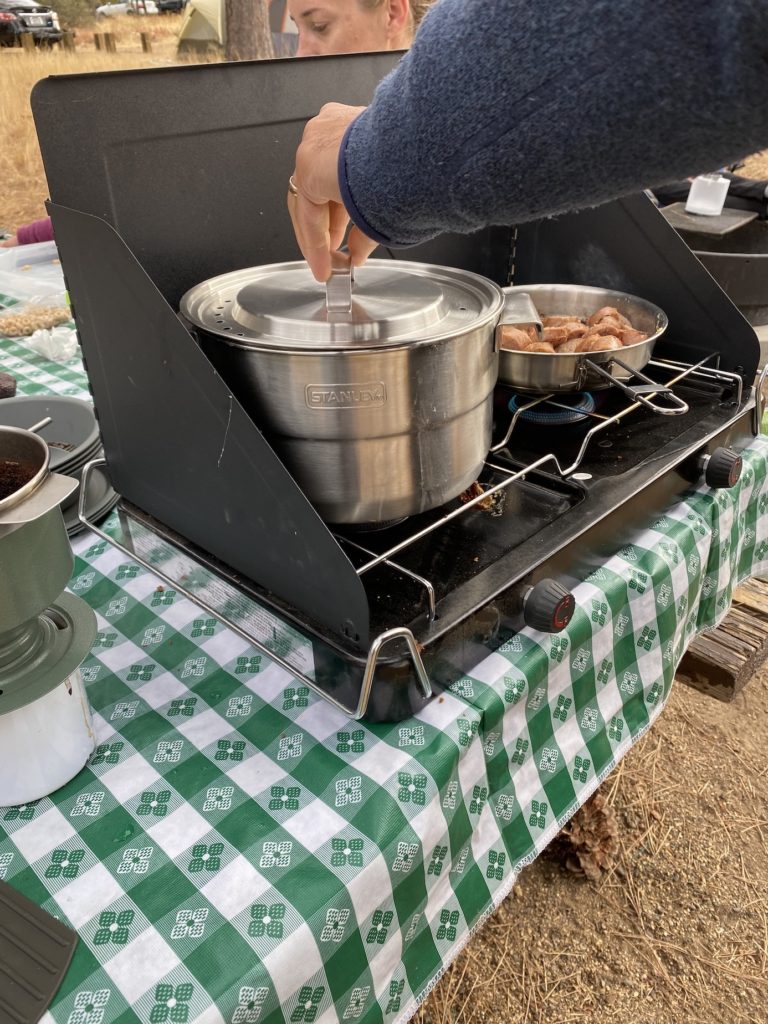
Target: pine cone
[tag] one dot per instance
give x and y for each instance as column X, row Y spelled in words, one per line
column 590, row 839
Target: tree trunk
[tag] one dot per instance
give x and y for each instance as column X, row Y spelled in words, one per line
column 248, row 33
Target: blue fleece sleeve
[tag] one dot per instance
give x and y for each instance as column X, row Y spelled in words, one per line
column 509, row 110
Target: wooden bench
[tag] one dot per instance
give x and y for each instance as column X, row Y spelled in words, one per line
column 721, row 663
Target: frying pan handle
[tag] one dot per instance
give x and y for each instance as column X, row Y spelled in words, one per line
column 338, row 287
column 519, row 308
column 643, row 393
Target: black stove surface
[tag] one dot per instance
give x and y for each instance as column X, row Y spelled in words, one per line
column 480, row 564
column 455, row 553
column 472, row 558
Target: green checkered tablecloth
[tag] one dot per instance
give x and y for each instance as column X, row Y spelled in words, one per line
column 236, row 851
column 38, row 376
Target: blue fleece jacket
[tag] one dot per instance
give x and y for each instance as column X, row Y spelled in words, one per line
column 509, row 110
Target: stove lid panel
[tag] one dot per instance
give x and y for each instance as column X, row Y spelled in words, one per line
column 191, row 164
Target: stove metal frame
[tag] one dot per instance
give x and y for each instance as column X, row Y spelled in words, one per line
column 180, row 448
column 379, row 642
column 403, row 633
column 374, row 653
column 607, row 421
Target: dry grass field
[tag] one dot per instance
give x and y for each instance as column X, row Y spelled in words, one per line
column 678, row 930
column 23, row 189
column 756, row 166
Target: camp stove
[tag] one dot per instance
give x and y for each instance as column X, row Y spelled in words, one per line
column 447, row 587
column 376, row 621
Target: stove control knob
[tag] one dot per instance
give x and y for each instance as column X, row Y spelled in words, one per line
column 548, row 607
column 723, row 468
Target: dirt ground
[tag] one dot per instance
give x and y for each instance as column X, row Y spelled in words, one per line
column 678, row 931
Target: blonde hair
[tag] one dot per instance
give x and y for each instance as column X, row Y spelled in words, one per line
column 418, row 9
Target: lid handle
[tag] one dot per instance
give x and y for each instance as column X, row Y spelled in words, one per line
column 338, row 287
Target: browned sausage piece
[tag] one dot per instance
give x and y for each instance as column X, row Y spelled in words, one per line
column 608, row 311
column 577, row 331
column 602, row 344
column 608, row 330
column 603, row 328
column 514, row 339
column 629, row 336
column 558, row 321
column 598, row 316
column 555, row 335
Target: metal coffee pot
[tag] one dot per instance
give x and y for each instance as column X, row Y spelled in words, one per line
column 46, row 734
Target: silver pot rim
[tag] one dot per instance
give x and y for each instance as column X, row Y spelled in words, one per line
column 35, row 482
column 207, row 307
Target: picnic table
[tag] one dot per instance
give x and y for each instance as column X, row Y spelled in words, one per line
column 237, row 851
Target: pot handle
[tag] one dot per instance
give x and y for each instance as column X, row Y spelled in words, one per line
column 338, row 287
column 39, row 426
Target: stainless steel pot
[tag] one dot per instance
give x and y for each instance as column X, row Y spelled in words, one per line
column 378, row 398
column 544, row 372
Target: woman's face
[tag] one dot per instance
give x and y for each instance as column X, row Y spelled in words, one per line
column 340, row 26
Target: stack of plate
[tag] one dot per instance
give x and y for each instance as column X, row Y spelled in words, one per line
column 73, row 439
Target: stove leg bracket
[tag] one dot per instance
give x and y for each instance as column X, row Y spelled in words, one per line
column 400, row 633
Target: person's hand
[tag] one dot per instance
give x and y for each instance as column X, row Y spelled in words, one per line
column 319, row 217
column 9, row 243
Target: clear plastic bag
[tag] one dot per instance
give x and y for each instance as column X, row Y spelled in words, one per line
column 59, row 344
column 30, row 273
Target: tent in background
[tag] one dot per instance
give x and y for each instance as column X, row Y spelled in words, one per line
column 204, row 28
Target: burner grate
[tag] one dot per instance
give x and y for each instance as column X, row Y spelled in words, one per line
column 692, row 375
column 549, row 460
column 564, row 412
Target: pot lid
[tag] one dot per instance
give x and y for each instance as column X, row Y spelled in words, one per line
column 387, row 303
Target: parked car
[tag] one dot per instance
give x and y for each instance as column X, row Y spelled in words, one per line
column 171, row 6
column 111, row 10
column 26, row 17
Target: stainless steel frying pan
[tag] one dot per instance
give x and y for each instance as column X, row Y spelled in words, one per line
column 546, row 373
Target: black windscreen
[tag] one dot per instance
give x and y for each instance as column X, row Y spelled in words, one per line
column 190, row 165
